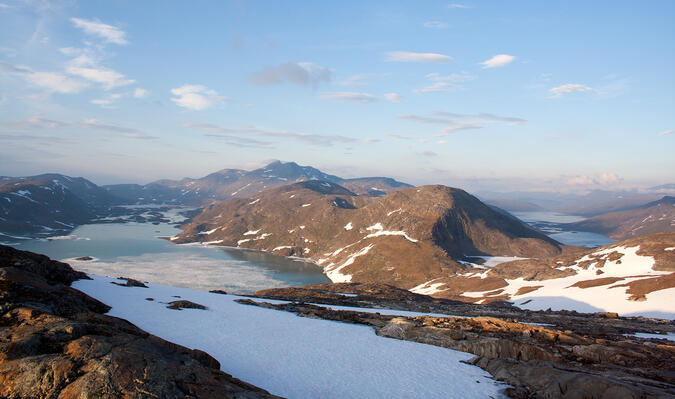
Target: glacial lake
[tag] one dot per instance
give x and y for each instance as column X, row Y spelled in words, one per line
column 551, row 224
column 135, row 250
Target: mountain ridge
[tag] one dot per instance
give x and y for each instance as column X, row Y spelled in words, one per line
column 403, row 238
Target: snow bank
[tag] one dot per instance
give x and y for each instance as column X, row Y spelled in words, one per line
column 559, row 294
column 297, row 357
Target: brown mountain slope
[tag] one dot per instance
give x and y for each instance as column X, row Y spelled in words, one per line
column 404, row 239
column 654, row 217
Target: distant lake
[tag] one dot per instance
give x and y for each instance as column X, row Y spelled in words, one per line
column 550, row 223
column 134, row 250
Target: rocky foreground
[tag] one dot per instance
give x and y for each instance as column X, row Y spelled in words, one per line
column 542, row 354
column 56, row 341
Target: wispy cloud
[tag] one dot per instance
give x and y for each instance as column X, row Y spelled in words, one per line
column 457, row 5
column 140, row 93
column 559, row 91
column 108, row 33
column 85, row 66
column 349, row 97
column 498, row 60
column 52, row 81
column 298, row 73
column 436, row 25
column 38, row 122
column 483, row 117
column 242, row 142
column 195, row 97
column 108, row 101
column 667, row 132
column 354, row 80
column 440, row 83
column 393, row 97
column 242, row 132
column 453, row 122
column 408, row 56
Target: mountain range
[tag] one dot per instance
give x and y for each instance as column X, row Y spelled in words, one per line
column 589, row 204
column 53, row 204
column 236, row 183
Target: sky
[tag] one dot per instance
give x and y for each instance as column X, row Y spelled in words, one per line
column 484, row 95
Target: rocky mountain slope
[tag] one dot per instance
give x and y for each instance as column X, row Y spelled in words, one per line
column 405, row 238
column 55, row 341
column 654, row 217
column 634, row 276
column 49, row 203
column 235, row 183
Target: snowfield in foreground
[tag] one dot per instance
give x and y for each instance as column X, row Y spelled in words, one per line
column 293, row 356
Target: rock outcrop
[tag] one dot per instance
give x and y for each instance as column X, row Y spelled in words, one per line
column 56, row 342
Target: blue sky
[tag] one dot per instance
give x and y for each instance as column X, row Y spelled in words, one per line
column 482, row 95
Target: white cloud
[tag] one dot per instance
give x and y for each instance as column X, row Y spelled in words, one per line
column 456, row 5
column 609, row 178
column 445, row 82
column 667, row 132
column 436, row 24
column 108, row 33
column 393, row 97
column 408, row 56
column 604, row 179
column 195, row 97
column 568, row 88
column 498, row 60
column 299, row 73
column 52, row 81
column 140, row 93
column 87, row 68
column 349, row 97
column 369, row 140
column 3, row 5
